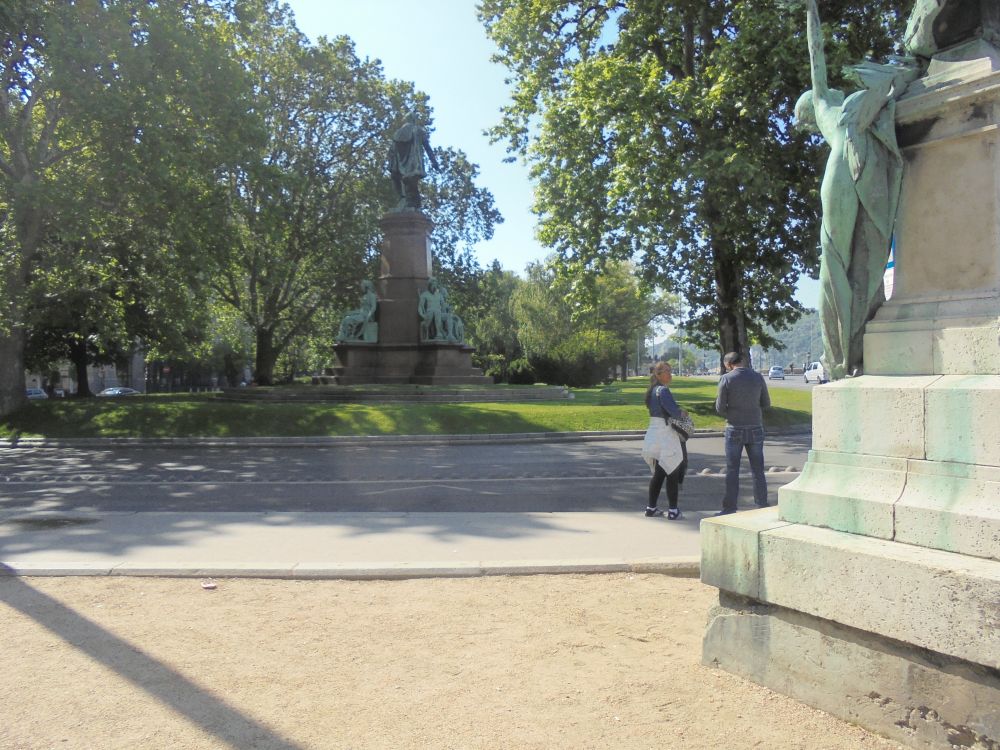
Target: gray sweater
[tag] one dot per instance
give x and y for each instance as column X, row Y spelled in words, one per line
column 742, row 396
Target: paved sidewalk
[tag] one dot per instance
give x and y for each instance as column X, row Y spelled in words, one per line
column 345, row 545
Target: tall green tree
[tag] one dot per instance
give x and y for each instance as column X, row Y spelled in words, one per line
column 491, row 326
column 616, row 302
column 108, row 111
column 660, row 132
column 463, row 214
column 304, row 208
column 561, row 347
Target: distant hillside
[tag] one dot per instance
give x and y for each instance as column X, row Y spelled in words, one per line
column 802, row 343
column 694, row 359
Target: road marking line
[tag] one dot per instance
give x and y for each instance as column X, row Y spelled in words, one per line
column 573, row 478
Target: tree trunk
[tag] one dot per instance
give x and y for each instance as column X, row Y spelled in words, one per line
column 728, row 288
column 78, row 356
column 267, row 356
column 28, row 229
column 732, row 325
column 12, row 384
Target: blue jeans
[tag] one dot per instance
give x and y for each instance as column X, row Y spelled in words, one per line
column 738, row 438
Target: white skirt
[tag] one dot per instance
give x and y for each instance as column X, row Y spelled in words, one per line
column 662, row 444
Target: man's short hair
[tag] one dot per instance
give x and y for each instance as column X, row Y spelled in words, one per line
column 733, row 358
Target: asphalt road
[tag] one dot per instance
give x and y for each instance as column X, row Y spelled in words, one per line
column 500, row 477
column 795, row 382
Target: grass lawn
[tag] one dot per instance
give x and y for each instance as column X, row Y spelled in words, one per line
column 615, row 407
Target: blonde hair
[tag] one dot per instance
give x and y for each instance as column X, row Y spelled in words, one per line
column 653, row 377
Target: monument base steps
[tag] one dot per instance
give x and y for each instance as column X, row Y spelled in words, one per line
column 910, row 458
column 898, row 638
column 939, row 505
column 912, row 695
column 417, row 364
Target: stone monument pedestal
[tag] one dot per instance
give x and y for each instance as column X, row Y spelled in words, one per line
column 399, row 356
column 873, row 590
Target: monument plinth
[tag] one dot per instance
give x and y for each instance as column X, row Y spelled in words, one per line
column 873, row 590
column 399, row 355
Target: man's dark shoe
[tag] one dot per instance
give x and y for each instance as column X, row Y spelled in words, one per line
column 764, row 504
column 725, row 513
column 653, row 512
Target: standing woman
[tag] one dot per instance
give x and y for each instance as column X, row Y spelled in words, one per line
column 663, row 448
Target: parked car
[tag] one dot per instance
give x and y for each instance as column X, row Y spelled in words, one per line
column 815, row 373
column 34, row 393
column 118, row 391
column 776, row 373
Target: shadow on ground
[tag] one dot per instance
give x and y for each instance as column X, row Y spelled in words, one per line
column 163, row 683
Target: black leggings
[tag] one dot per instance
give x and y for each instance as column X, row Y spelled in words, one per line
column 674, row 481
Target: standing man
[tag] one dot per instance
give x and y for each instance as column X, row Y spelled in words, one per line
column 742, row 397
column 406, row 161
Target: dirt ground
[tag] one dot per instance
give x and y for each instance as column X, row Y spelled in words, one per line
column 609, row 661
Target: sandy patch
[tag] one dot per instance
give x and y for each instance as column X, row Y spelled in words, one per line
column 609, row 661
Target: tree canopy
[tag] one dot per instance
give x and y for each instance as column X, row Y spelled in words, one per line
column 660, row 132
column 194, row 176
column 113, row 116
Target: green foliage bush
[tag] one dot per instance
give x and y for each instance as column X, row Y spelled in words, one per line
column 520, row 372
column 580, row 361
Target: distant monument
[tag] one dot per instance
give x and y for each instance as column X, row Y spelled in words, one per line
column 419, row 338
column 873, row 590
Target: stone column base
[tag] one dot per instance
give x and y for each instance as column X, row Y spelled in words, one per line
column 900, row 639
column 910, row 458
column 908, row 694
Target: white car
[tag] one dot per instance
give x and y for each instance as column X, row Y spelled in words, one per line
column 36, row 393
column 776, row 373
column 815, row 373
column 118, row 391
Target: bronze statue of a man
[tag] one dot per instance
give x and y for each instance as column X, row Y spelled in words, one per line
column 859, row 193
column 406, row 161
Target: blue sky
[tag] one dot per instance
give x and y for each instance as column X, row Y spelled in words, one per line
column 443, row 49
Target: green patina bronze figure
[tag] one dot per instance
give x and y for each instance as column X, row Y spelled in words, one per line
column 406, row 162
column 859, row 193
column 936, row 24
column 453, row 323
column 360, row 325
column 438, row 321
column 430, row 308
